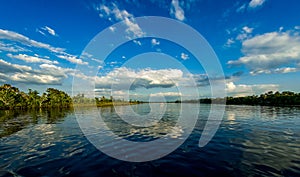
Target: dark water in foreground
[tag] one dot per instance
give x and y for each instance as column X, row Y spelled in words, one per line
column 251, row 141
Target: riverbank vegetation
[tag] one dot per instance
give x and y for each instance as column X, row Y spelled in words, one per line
column 80, row 100
column 12, row 98
column 271, row 98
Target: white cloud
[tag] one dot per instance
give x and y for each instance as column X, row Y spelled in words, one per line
column 176, row 11
column 56, row 70
column 244, row 34
column 133, row 29
column 252, row 5
column 241, row 36
column 242, row 8
column 154, row 42
column 229, row 42
column 297, row 27
column 26, row 77
column 13, row 36
column 25, row 74
column 6, row 67
column 230, row 86
column 256, row 3
column 247, row 29
column 164, row 94
column 41, row 32
column 48, row 30
column 184, row 56
column 112, row 29
column 270, row 53
column 31, row 59
column 125, row 78
column 90, row 57
column 59, row 52
column 48, row 74
column 286, row 70
column 72, row 59
column 137, row 42
column 246, row 90
column 61, row 72
column 280, row 29
column 11, row 48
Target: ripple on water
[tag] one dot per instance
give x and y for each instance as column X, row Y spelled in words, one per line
column 251, row 141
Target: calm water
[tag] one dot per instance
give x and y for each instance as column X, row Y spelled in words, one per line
column 251, row 141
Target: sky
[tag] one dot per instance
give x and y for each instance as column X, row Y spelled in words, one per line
column 54, row 44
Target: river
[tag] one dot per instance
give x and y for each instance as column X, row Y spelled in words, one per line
column 251, row 141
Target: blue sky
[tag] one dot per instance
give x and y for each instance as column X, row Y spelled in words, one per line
column 257, row 42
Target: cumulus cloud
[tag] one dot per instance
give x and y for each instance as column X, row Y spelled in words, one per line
column 176, row 11
column 25, row 74
column 6, row 67
column 31, row 78
column 274, row 52
column 31, row 59
column 125, row 79
column 46, row 73
column 58, row 71
column 113, row 12
column 203, row 80
column 246, row 90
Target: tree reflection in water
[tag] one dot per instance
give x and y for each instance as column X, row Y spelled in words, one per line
column 12, row 121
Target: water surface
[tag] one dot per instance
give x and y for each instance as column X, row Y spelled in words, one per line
column 251, row 141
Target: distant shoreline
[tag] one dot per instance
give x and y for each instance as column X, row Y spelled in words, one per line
column 107, row 104
column 280, row 99
column 12, row 98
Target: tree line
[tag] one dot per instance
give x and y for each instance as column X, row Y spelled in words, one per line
column 286, row 98
column 12, row 98
column 81, row 100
